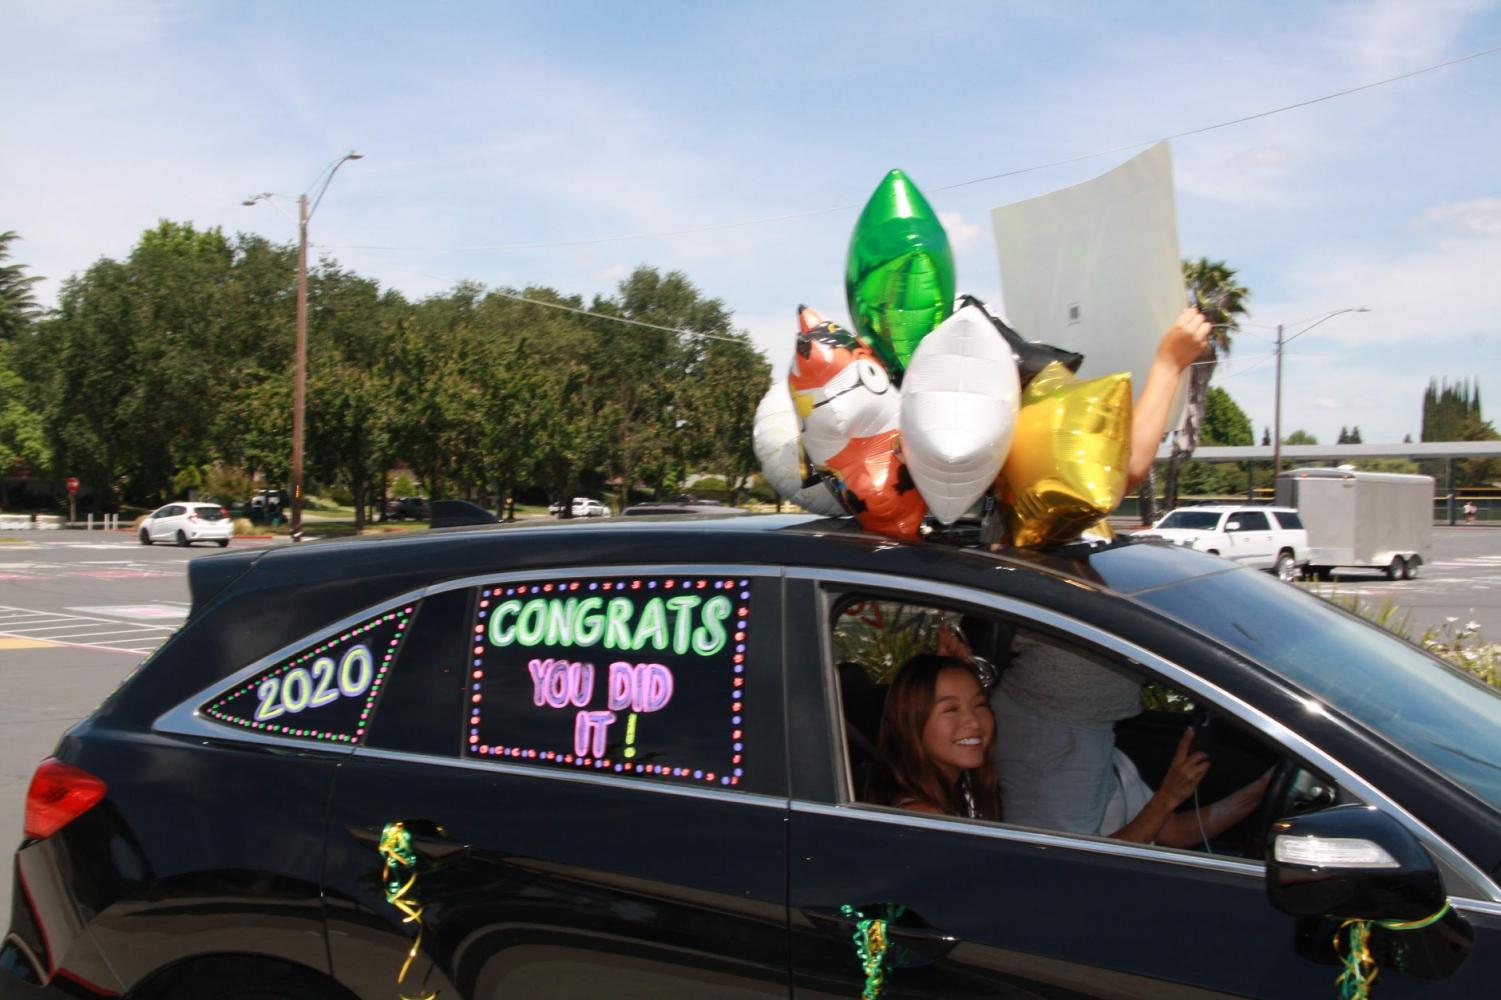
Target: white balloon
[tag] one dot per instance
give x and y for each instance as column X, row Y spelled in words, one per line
column 778, row 448
column 959, row 401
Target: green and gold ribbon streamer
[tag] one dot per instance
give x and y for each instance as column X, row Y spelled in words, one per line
column 399, row 876
column 870, row 945
column 1360, row 973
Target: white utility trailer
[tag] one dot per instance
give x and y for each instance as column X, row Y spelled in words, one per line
column 1381, row 520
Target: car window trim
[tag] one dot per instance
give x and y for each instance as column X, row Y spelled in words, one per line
column 613, row 781
column 1276, row 732
column 867, row 812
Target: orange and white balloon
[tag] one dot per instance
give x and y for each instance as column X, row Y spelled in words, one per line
column 848, row 410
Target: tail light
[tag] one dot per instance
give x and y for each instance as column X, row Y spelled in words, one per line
column 223, row 512
column 192, row 516
column 59, row 794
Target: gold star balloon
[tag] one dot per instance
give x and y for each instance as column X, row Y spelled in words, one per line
column 1067, row 465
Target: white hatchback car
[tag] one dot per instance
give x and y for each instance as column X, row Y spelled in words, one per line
column 186, row 523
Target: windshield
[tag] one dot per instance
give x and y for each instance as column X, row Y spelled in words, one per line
column 1197, row 520
column 1442, row 716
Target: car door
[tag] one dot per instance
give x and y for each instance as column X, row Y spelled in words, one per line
column 163, row 523
column 1250, row 535
column 977, row 909
column 591, row 768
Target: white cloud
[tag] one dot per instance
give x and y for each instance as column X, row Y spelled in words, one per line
column 963, row 235
column 1392, row 36
column 1248, row 178
column 1478, row 216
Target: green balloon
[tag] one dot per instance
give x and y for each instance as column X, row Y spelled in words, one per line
column 899, row 276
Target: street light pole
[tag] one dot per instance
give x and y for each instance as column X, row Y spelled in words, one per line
column 305, row 212
column 1277, row 405
column 1277, row 414
column 299, row 370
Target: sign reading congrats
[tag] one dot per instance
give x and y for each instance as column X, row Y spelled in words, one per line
column 638, row 675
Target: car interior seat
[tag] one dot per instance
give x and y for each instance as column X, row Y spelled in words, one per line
column 862, row 700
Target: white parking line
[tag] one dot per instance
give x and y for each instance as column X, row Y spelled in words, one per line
column 81, row 631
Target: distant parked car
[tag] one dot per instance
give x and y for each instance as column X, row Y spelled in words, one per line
column 1270, row 538
column 186, row 523
column 404, row 507
column 581, row 507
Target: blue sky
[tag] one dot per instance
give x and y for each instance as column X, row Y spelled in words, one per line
column 492, row 125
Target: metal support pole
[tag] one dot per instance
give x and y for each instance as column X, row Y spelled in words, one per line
column 299, row 376
column 1449, row 462
column 1277, row 412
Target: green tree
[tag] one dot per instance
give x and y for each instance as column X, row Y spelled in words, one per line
column 650, row 407
column 1300, row 437
column 18, row 305
column 1222, row 300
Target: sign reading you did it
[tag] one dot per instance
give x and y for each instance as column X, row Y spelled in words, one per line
column 631, row 675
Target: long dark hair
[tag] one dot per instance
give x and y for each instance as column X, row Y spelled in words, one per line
column 904, row 771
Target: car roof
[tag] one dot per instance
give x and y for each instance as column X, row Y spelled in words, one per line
column 711, row 537
column 1220, row 508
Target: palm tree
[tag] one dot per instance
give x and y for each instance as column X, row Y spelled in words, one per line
column 18, row 306
column 1222, row 301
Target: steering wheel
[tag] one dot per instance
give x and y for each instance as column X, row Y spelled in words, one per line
column 1275, row 804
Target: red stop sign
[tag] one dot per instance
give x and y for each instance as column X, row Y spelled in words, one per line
column 72, row 484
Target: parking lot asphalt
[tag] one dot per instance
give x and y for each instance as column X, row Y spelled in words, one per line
column 80, row 610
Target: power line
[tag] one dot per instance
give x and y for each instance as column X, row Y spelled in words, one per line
column 792, row 216
column 618, row 319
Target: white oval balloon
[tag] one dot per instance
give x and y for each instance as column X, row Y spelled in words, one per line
column 778, row 448
column 959, row 401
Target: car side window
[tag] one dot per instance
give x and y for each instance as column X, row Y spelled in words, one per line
column 653, row 678
column 324, row 691
column 1082, row 741
column 1251, row 520
column 1289, row 520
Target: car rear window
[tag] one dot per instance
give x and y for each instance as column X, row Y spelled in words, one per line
column 324, row 691
column 209, row 513
column 647, row 677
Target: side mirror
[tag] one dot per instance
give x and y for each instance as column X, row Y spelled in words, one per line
column 1233, row 526
column 1350, row 863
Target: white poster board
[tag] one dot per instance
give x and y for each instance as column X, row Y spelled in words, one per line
column 1094, row 268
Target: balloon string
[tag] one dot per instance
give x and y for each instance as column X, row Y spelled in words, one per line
column 1360, row 971
column 399, row 875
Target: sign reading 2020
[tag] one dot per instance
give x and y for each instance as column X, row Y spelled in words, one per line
column 325, row 692
column 639, row 675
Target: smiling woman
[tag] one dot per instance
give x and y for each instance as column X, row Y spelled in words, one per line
column 935, row 748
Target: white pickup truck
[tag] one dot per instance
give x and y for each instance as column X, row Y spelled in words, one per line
column 1270, row 538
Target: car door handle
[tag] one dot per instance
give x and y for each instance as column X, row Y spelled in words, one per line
column 428, row 841
column 913, row 941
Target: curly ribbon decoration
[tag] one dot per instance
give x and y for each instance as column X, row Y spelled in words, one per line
column 870, row 946
column 1360, row 967
column 399, row 875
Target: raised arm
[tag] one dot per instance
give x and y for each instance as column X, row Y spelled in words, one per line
column 1179, row 348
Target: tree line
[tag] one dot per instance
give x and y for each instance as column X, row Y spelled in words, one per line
column 172, row 369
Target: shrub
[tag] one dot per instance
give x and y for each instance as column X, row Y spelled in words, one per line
column 243, row 526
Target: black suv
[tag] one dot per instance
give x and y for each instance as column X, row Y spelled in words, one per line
column 624, row 758
column 404, row 507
